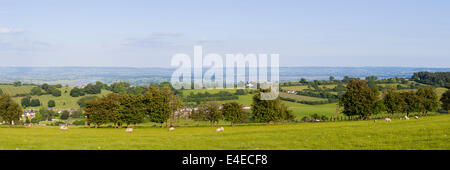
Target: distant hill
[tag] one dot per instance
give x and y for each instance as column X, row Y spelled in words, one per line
column 77, row 76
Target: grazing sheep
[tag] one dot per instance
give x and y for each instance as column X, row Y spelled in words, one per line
column 375, row 120
column 416, row 117
column 406, row 118
column 220, row 129
column 171, row 129
column 63, row 127
column 387, row 119
column 129, row 130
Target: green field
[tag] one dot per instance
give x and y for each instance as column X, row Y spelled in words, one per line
column 295, row 88
column 300, row 97
column 13, row 90
column 425, row 133
column 212, row 91
column 65, row 101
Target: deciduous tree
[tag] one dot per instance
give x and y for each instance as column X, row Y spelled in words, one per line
column 445, row 99
column 9, row 110
column 359, row 99
column 234, row 112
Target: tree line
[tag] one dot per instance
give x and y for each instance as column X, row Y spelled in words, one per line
column 161, row 105
column 360, row 100
column 441, row 79
column 156, row 105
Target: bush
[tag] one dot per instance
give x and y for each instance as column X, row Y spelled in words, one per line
column 65, row 115
column 51, row 103
column 35, row 103
column 79, row 123
column 76, row 92
column 37, row 118
column 54, row 91
column 77, row 114
column 36, row 91
column 58, row 123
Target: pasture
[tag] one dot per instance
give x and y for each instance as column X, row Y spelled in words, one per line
column 301, row 97
column 425, row 133
column 65, row 101
column 13, row 90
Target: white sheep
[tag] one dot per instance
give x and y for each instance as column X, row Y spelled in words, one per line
column 375, row 120
column 63, row 127
column 171, row 129
column 129, row 130
column 387, row 119
column 406, row 118
column 220, row 129
column 416, row 117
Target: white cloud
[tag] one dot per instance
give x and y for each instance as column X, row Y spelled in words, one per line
column 4, row 30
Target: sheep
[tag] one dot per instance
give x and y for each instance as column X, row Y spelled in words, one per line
column 129, row 130
column 171, row 129
column 416, row 117
column 387, row 119
column 375, row 120
column 406, row 118
column 63, row 127
column 220, row 129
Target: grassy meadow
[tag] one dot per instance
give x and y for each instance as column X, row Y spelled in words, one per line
column 13, row 90
column 65, row 101
column 425, row 133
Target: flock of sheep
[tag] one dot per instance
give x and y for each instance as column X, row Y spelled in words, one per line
column 221, row 129
column 389, row 119
column 129, row 130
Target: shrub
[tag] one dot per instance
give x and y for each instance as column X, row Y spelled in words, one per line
column 65, row 115
column 57, row 123
column 51, row 103
column 35, row 103
column 79, row 123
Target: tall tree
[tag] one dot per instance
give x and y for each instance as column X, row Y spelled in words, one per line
column 359, row 99
column 269, row 110
column 210, row 112
column 445, row 99
column 10, row 111
column 131, row 109
column 157, row 102
column 392, row 101
column 103, row 110
column 429, row 97
column 413, row 103
column 234, row 112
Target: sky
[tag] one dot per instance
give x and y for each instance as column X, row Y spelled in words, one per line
column 408, row 33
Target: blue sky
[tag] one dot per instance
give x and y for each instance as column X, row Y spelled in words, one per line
column 148, row 33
